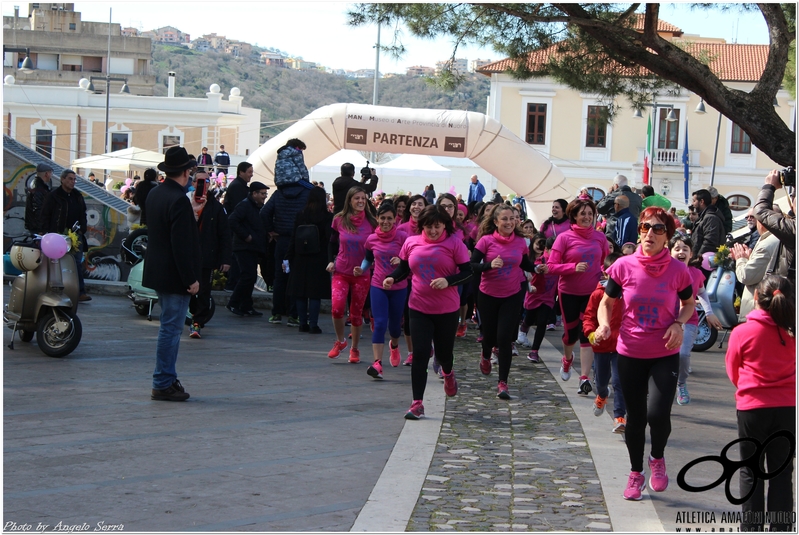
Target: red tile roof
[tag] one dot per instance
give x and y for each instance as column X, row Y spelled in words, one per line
column 663, row 26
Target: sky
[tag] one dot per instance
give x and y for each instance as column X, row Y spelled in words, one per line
column 318, row 31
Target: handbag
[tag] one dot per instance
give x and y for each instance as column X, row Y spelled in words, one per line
column 306, row 240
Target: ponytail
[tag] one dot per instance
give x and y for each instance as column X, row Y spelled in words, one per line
column 775, row 295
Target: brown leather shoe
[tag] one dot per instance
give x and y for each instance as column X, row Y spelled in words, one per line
column 84, row 297
column 175, row 392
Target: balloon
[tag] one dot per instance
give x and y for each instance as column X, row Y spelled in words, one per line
column 128, row 181
column 707, row 260
column 452, row 191
column 54, row 245
column 123, row 189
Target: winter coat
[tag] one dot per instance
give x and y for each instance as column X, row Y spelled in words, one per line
column 752, row 270
column 626, row 229
column 591, row 321
column 290, row 166
column 708, row 233
column 140, row 197
column 172, row 262
column 33, row 206
column 56, row 211
column 342, row 185
column 281, row 209
column 308, row 277
column 246, row 221
column 605, row 205
column 215, row 239
column 222, row 159
column 783, row 227
column 726, row 214
column 237, row 191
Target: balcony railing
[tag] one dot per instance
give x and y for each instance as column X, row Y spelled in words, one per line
column 668, row 157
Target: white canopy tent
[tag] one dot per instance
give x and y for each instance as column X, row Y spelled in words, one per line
column 130, row 159
column 412, row 172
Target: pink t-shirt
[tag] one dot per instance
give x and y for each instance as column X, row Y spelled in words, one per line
column 568, row 250
column 698, row 283
column 545, row 297
column 550, row 229
column 384, row 251
column 409, row 227
column 507, row 280
column 650, row 306
column 429, row 261
column 350, row 246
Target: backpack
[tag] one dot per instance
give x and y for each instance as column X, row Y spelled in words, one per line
column 306, row 240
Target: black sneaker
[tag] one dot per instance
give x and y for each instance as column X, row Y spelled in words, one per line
column 236, row 311
column 174, row 393
column 315, row 330
column 254, row 313
column 305, row 328
column 585, row 387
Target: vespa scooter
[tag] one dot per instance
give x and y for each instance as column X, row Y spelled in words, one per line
column 721, row 293
column 44, row 299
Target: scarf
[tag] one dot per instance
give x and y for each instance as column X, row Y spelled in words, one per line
column 386, row 236
column 583, row 232
column 503, row 239
column 357, row 219
column 653, row 265
column 439, row 240
column 414, row 226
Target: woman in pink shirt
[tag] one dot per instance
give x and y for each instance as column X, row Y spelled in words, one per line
column 437, row 262
column 577, row 257
column 416, row 204
column 658, row 302
column 351, row 227
column 382, row 250
column 559, row 222
column 500, row 255
column 761, row 363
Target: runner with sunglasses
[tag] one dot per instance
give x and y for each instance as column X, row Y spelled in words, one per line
column 658, row 301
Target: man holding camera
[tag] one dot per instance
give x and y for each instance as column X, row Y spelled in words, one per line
column 780, row 225
column 342, row 184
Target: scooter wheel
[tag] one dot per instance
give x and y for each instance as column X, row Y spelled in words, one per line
column 142, row 310
column 55, row 344
column 26, row 336
column 705, row 336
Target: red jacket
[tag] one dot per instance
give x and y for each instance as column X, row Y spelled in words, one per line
column 590, row 321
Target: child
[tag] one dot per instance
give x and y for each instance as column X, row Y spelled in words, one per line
column 538, row 305
column 605, row 355
column 290, row 165
column 628, row 248
column 680, row 247
column 761, row 363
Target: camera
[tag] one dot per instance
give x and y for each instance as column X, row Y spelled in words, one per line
column 788, row 177
column 366, row 172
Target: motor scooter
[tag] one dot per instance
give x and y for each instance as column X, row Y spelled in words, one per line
column 721, row 293
column 44, row 299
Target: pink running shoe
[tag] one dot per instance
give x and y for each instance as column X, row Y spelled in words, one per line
column 533, row 356
column 416, row 411
column 375, row 370
column 338, row 347
column 394, row 356
column 355, row 356
column 635, row 484
column 450, row 384
column 485, row 365
column 461, row 332
column 502, row 390
column 409, row 360
column 658, row 481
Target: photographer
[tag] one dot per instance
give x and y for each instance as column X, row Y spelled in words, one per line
column 342, row 184
column 780, row 225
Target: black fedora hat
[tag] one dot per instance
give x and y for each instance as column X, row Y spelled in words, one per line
column 176, row 160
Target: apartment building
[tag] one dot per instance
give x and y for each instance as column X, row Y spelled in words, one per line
column 477, row 64
column 458, row 66
column 171, row 35
column 420, row 70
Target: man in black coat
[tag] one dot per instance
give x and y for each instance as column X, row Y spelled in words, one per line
column 222, row 160
column 249, row 240
column 708, row 233
column 342, row 184
column 236, row 192
column 215, row 248
column 171, row 266
column 35, row 199
column 143, row 189
column 62, row 208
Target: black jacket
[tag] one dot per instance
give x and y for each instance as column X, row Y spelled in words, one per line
column 214, row 230
column 246, row 221
column 281, row 209
column 173, row 260
column 343, row 184
column 58, row 205
column 236, row 192
column 140, row 197
column 708, row 233
column 605, row 205
column 33, row 205
column 222, row 158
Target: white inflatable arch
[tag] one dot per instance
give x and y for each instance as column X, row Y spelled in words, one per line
column 455, row 133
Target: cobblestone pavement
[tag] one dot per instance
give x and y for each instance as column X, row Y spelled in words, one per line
column 518, row 465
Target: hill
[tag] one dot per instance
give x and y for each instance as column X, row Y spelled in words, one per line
column 285, row 95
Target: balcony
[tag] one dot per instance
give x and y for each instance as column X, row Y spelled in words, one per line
column 667, row 157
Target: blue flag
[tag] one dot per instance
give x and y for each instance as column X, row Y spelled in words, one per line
column 685, row 162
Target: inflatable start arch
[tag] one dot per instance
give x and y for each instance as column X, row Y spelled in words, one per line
column 462, row 134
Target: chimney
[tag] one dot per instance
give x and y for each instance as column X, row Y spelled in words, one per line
column 171, row 90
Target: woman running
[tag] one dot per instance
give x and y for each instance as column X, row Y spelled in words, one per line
column 538, row 304
column 410, row 227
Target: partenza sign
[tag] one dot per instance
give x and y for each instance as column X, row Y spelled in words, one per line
column 385, row 129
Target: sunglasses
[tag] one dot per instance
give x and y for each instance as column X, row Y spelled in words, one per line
column 658, row 228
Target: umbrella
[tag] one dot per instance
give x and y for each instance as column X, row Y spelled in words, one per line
column 128, row 159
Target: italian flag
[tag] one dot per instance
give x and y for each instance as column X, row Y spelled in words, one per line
column 648, row 150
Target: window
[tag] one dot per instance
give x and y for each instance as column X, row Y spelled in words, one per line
column 170, row 141
column 72, row 26
column 596, row 193
column 44, row 142
column 119, row 142
column 597, row 126
column 536, row 124
column 741, row 143
column 668, row 131
column 739, row 202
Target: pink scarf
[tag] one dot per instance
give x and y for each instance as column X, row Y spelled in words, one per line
column 357, row 219
column 440, row 238
column 386, row 236
column 504, row 239
column 654, row 265
column 583, row 232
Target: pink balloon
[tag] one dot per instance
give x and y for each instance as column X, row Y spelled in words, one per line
column 128, row 181
column 707, row 260
column 123, row 189
column 54, row 245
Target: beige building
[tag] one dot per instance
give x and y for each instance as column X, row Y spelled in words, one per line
column 420, row 70
column 171, row 35
column 567, row 127
column 65, row 49
column 67, row 123
column 458, row 65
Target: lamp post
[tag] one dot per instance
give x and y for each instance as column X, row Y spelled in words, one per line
column 671, row 117
column 125, row 90
column 700, row 109
column 27, row 65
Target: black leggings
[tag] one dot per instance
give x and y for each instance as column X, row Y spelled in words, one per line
column 406, row 314
column 427, row 329
column 572, row 308
column 500, row 322
column 656, row 378
column 539, row 317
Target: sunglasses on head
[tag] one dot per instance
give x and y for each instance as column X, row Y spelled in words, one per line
column 658, row 228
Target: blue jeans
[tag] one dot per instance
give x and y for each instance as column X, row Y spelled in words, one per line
column 606, row 369
column 387, row 309
column 173, row 314
column 308, row 311
column 688, row 339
